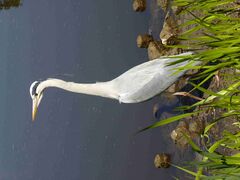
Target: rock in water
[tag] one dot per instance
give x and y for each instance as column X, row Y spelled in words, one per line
column 162, row 160
column 155, row 50
column 144, row 40
column 169, row 31
column 164, row 4
column 139, row 5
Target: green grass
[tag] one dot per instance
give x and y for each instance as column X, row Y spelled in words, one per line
column 218, row 47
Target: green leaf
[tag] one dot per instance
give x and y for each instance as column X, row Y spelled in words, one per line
column 185, row 170
column 168, row 120
column 208, row 127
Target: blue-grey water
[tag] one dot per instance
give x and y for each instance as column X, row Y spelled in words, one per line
column 74, row 136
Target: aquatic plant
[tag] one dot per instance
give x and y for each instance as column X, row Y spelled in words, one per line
column 213, row 31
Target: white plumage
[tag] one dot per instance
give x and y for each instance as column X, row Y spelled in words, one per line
column 138, row 84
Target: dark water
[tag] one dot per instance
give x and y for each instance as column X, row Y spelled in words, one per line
column 74, row 136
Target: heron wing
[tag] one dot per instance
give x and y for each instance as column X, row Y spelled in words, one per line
column 145, row 80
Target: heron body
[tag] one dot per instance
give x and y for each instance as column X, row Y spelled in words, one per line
column 138, row 84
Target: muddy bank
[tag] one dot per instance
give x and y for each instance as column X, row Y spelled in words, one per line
column 194, row 125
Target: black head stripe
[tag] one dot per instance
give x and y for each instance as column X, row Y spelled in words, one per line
column 34, row 88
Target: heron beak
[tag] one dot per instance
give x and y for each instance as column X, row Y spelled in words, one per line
column 34, row 108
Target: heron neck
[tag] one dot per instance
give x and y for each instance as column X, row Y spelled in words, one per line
column 103, row 89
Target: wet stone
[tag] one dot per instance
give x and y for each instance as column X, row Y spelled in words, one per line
column 162, row 160
column 144, row 40
column 164, row 4
column 139, row 5
column 156, row 50
column 169, row 31
column 178, row 136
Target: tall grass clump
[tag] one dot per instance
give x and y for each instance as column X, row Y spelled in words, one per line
column 213, row 31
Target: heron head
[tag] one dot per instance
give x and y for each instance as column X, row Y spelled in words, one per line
column 36, row 96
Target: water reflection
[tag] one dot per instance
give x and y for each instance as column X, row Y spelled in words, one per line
column 76, row 137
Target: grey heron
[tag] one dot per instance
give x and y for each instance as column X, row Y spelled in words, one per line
column 138, row 84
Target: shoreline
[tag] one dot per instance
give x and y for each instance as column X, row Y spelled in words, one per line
column 196, row 123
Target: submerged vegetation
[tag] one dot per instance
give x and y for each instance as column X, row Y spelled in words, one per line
column 214, row 34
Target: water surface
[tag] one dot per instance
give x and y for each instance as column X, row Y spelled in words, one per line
column 74, row 136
